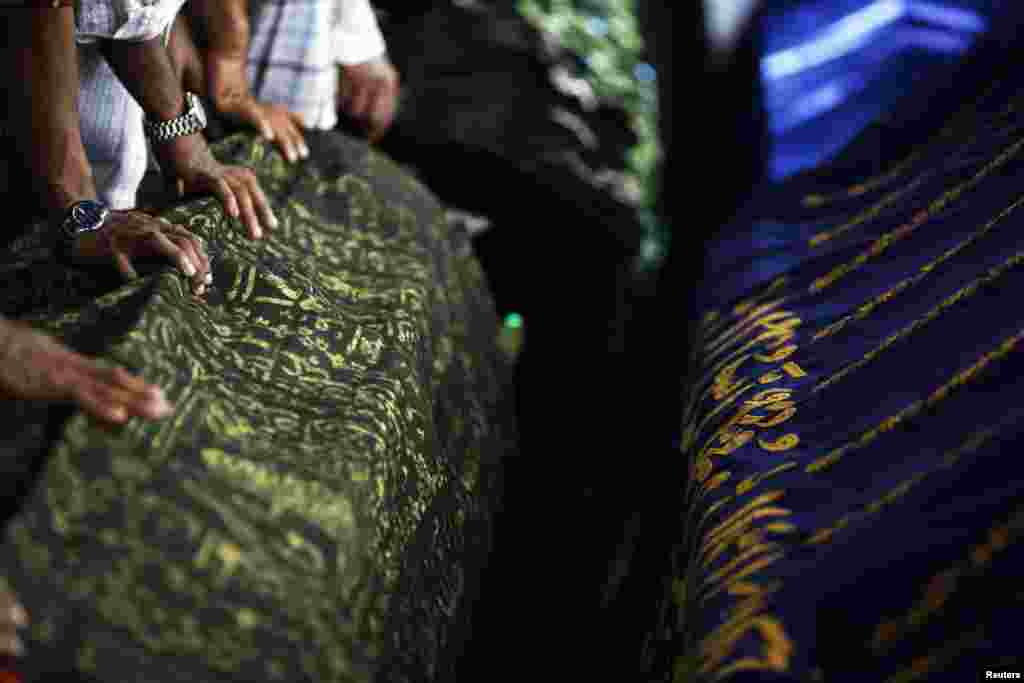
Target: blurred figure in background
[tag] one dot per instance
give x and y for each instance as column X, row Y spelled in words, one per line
column 285, row 67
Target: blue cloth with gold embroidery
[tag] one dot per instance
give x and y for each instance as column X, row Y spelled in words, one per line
column 854, row 503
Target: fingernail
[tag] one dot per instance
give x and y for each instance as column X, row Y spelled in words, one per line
column 273, row 221
column 161, row 405
column 190, row 270
column 19, row 616
column 119, row 413
column 305, row 152
column 209, row 278
column 257, row 233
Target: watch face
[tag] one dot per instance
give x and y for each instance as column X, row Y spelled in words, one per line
column 85, row 216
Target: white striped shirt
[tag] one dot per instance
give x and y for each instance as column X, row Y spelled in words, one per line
column 296, row 48
column 111, row 120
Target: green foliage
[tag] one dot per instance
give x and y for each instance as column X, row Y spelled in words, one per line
column 607, row 35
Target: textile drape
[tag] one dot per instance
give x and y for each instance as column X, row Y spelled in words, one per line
column 319, row 504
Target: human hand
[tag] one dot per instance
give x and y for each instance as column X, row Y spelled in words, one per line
column 130, row 234
column 193, row 169
column 276, row 124
column 35, row 366
column 12, row 618
column 229, row 85
column 368, row 93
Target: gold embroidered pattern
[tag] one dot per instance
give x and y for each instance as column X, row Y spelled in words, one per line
column 865, row 309
column 959, row 379
column 886, row 240
column 973, row 442
column 753, row 379
column 961, row 118
column 963, row 293
column 747, row 616
column 867, row 214
column 942, row 585
column 302, row 515
column 937, row 659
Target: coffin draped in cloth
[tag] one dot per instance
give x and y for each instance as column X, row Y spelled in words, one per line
column 855, row 507
column 319, row 505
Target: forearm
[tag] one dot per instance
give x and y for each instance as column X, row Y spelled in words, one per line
column 44, row 114
column 185, row 58
column 222, row 24
column 225, row 32
column 146, row 70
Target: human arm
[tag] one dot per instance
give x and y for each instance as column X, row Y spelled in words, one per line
column 35, row 366
column 185, row 58
column 368, row 83
column 44, row 118
column 225, row 24
column 147, row 72
column 13, row 617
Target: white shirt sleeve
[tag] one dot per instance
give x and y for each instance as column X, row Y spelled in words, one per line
column 133, row 20
column 357, row 37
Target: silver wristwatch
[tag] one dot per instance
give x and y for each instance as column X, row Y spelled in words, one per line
column 189, row 123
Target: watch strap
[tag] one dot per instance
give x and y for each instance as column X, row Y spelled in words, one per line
column 188, row 123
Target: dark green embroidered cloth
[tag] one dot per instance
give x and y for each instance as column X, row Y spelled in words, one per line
column 319, row 504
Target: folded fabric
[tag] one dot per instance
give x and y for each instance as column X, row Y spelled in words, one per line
column 853, row 505
column 318, row 507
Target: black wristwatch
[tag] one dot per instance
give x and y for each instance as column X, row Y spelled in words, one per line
column 191, row 122
column 81, row 217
